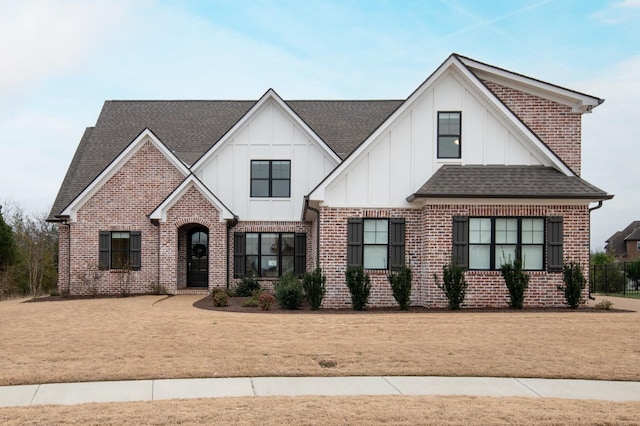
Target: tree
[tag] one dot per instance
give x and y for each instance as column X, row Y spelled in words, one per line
column 7, row 257
column 37, row 249
column 607, row 277
column 633, row 272
column 7, row 244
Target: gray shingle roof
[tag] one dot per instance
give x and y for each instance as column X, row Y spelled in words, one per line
column 634, row 236
column 506, row 182
column 190, row 128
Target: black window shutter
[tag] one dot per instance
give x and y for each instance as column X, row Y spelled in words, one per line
column 238, row 255
column 135, row 248
column 554, row 244
column 460, row 249
column 354, row 241
column 396, row 243
column 104, row 248
column 301, row 253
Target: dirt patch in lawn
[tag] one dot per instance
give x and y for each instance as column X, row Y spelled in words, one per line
column 154, row 337
column 396, row 410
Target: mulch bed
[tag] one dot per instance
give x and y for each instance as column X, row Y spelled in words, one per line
column 235, row 304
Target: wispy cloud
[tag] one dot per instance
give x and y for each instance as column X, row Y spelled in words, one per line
column 618, row 12
column 44, row 37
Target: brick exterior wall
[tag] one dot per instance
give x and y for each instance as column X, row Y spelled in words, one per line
column 554, row 123
column 121, row 204
column 428, row 244
column 333, row 257
column 259, row 226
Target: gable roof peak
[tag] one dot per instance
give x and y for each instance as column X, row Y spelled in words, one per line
column 579, row 102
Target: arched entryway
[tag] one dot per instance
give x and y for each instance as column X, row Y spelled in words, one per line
column 198, row 257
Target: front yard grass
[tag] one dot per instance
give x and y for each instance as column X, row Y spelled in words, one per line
column 152, row 337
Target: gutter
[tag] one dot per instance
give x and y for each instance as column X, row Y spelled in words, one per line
column 307, row 206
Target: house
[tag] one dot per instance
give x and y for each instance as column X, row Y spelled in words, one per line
column 625, row 244
column 479, row 164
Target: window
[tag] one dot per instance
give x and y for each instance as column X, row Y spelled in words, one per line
column 269, row 254
column 483, row 243
column 375, row 243
column 119, row 250
column 449, row 132
column 271, row 178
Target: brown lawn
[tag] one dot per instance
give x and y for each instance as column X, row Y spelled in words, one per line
column 395, row 410
column 152, row 337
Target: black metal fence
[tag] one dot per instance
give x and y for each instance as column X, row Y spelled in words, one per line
column 623, row 278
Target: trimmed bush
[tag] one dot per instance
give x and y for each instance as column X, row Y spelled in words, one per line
column 401, row 287
column 314, row 287
column 359, row 285
column 247, row 286
column 574, row 283
column 453, row 285
column 220, row 297
column 517, row 282
column 289, row 291
column 265, row 301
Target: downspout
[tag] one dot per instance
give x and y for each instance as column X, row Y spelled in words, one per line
column 590, row 210
column 230, row 224
column 68, row 225
column 317, row 212
column 157, row 223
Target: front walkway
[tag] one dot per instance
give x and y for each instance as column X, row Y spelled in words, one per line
column 153, row 390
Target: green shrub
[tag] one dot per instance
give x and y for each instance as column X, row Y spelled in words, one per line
column 453, row 284
column 313, row 284
column 265, row 301
column 574, row 283
column 517, row 282
column 359, row 285
column 289, row 291
column 220, row 297
column 252, row 302
column 401, row 287
column 247, row 286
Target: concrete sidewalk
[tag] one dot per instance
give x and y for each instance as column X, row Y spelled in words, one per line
column 154, row 390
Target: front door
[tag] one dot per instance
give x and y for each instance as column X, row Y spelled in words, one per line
column 198, row 258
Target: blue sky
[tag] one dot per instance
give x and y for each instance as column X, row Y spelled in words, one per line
column 61, row 59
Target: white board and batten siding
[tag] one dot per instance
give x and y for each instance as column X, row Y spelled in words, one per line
column 404, row 155
column 270, row 133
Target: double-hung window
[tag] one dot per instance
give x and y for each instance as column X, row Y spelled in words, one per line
column 120, row 250
column 271, row 178
column 269, row 254
column 375, row 243
column 486, row 243
column 449, row 134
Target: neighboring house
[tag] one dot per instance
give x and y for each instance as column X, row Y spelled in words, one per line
column 625, row 244
column 479, row 164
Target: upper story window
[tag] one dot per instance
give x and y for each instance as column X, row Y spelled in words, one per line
column 449, row 132
column 271, row 178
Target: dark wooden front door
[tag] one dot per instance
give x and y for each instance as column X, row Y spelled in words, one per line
column 198, row 258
